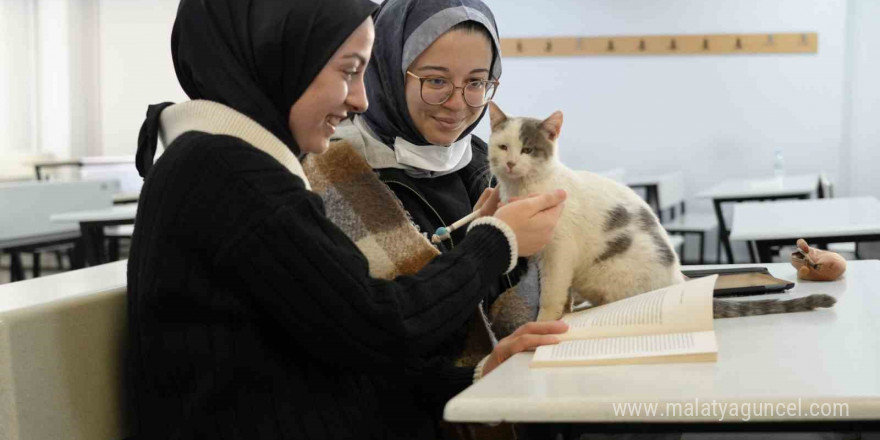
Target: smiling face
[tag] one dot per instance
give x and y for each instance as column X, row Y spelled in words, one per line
column 460, row 56
column 337, row 90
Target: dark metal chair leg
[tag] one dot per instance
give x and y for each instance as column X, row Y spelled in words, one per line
column 36, row 264
column 683, row 246
column 16, row 271
column 702, row 244
column 765, row 254
column 78, row 255
column 723, row 232
column 113, row 248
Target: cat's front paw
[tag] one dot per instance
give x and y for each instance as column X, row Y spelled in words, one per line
column 549, row 315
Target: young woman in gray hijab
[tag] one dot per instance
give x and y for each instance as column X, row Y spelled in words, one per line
column 435, row 66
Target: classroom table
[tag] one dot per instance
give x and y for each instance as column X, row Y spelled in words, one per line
column 125, row 197
column 15, row 246
column 744, row 190
column 819, row 221
column 39, row 166
column 25, row 225
column 92, row 225
column 824, row 357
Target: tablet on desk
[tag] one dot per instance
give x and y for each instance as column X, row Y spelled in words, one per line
column 743, row 281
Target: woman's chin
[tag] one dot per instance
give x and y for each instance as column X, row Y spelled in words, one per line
column 315, row 147
column 442, row 138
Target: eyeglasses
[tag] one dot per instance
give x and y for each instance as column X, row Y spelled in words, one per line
column 436, row 90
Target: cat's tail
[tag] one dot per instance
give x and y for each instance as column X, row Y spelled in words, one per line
column 735, row 309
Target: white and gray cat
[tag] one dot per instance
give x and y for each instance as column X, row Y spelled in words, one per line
column 608, row 244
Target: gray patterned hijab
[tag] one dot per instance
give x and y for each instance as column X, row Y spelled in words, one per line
column 404, row 29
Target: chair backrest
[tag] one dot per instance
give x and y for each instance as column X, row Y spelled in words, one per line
column 825, row 189
column 671, row 189
column 121, row 169
column 25, row 207
column 20, row 166
column 62, row 341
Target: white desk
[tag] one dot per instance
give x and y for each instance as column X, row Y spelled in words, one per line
column 92, row 225
column 24, row 216
column 763, row 188
column 820, row 221
column 125, row 212
column 125, row 197
column 743, row 190
column 824, row 356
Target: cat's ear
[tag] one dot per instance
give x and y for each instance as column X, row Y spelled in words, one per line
column 553, row 125
column 496, row 116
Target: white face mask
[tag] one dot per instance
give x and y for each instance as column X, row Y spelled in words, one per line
column 432, row 157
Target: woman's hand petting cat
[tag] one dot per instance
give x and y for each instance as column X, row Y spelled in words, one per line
column 821, row 265
column 488, row 202
column 527, row 337
column 533, row 220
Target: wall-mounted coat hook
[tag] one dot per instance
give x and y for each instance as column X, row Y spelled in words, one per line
column 700, row 44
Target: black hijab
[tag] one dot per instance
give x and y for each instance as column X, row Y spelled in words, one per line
column 255, row 56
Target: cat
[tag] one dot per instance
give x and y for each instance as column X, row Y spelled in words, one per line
column 608, row 244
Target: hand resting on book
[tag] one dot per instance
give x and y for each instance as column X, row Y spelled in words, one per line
column 527, row 337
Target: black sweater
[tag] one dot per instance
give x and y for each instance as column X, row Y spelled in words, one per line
column 432, row 203
column 253, row 317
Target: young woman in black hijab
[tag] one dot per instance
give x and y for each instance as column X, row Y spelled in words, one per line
column 252, row 316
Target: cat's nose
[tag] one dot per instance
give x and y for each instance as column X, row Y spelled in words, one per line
column 510, row 165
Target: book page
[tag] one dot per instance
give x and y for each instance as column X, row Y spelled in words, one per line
column 681, row 308
column 644, row 349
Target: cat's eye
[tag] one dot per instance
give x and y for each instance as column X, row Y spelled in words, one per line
column 503, row 147
column 526, row 151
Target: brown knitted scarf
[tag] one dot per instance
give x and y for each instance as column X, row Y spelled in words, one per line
column 370, row 214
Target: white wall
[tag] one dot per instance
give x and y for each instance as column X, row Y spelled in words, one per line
column 17, row 70
column 53, row 67
column 714, row 116
column 85, row 78
column 49, row 83
column 862, row 112
column 136, row 67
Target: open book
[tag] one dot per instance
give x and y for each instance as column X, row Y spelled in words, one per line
column 673, row 324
